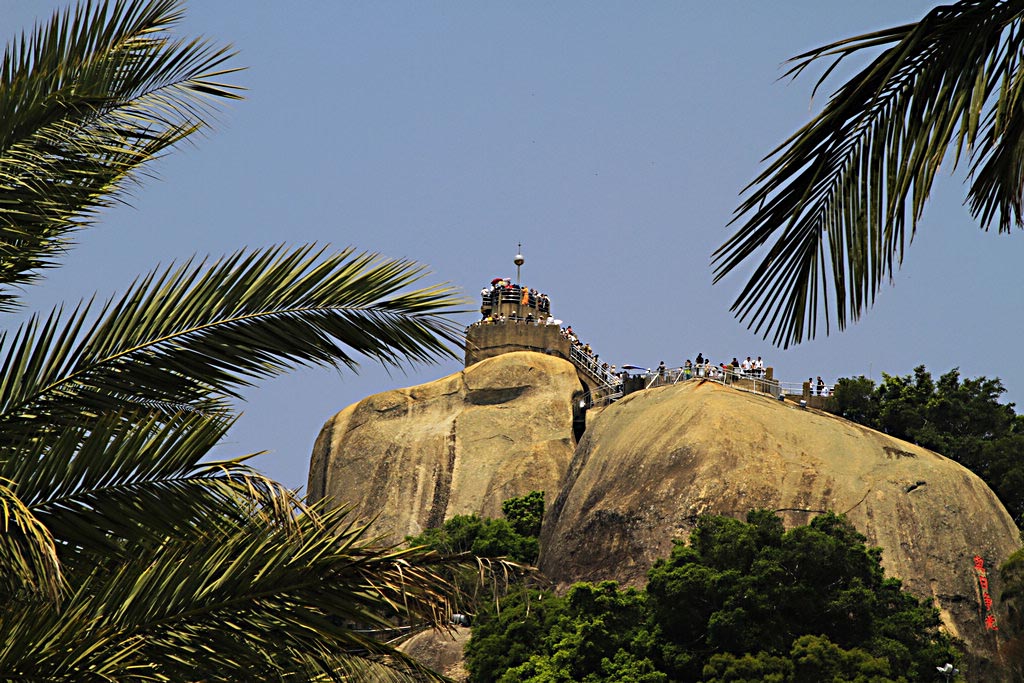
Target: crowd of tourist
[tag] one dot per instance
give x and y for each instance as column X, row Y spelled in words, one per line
column 749, row 368
column 503, row 290
column 704, row 367
column 537, row 308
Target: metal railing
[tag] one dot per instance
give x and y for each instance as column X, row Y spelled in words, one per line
column 792, row 388
column 724, row 376
column 610, row 387
column 514, row 295
column 797, row 389
column 513, row 321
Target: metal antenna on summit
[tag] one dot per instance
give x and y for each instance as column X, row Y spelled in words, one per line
column 519, row 260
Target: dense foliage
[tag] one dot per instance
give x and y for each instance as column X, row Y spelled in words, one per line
column 740, row 601
column 515, row 537
column 959, row 418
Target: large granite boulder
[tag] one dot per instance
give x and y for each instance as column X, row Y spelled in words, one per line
column 411, row 458
column 649, row 464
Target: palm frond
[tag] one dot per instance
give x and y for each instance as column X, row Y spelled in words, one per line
column 106, row 490
column 828, row 217
column 192, row 335
column 85, row 101
column 245, row 601
column 28, row 553
column 125, row 555
column 43, row 643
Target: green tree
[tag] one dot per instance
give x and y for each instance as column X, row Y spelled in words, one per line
column 828, row 217
column 506, row 634
column 584, row 638
column 741, row 601
column 812, row 659
column 854, row 399
column 525, row 513
column 961, row 418
column 515, row 537
column 124, row 554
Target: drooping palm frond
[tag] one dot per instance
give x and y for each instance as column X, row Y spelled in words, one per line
column 28, row 554
column 828, row 218
column 253, row 600
column 85, row 101
column 192, row 335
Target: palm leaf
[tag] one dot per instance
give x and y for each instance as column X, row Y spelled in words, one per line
column 192, row 335
column 28, row 553
column 828, row 217
column 245, row 601
column 125, row 557
column 104, row 491
column 43, row 643
column 84, row 102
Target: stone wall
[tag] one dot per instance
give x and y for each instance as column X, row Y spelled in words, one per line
column 487, row 340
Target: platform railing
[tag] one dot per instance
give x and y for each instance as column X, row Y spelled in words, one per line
column 515, row 296
column 736, row 379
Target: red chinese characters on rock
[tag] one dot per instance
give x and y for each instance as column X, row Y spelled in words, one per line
column 986, row 599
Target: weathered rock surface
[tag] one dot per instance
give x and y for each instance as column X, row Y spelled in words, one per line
column 647, row 466
column 410, row 459
column 650, row 463
column 440, row 651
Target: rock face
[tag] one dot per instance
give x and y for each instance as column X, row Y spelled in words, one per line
column 441, row 651
column 462, row 444
column 650, row 463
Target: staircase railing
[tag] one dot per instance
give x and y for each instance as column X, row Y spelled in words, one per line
column 609, row 387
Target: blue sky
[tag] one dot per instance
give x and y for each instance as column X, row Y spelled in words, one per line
column 611, row 139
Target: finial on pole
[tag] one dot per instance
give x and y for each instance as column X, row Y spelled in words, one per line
column 519, row 260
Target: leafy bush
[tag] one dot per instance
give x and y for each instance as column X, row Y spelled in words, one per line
column 514, row 537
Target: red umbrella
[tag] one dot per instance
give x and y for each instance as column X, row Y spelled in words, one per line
column 497, row 280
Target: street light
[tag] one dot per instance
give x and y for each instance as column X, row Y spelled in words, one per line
column 519, row 261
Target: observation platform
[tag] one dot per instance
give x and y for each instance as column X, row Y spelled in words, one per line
column 517, row 318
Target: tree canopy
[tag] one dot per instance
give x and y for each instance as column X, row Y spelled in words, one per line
column 962, row 419
column 515, row 537
column 740, row 601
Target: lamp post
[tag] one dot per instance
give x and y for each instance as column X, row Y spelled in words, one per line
column 519, row 261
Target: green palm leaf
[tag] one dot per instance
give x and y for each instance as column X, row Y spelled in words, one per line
column 191, row 335
column 828, row 217
column 105, row 491
column 85, row 101
column 245, row 601
column 124, row 554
